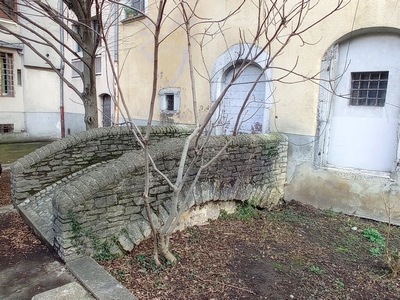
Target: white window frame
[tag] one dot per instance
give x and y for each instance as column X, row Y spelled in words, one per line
column 98, row 65
column 164, row 94
column 77, row 48
column 79, row 65
column 7, row 74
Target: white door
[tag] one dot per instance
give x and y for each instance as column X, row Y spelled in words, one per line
column 252, row 119
column 365, row 112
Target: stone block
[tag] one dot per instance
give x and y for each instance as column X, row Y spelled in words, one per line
column 134, row 232
column 125, row 241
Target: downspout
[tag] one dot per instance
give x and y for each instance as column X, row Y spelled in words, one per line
column 62, row 67
column 116, row 66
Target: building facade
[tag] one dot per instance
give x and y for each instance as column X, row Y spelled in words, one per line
column 338, row 104
column 30, row 99
column 36, row 104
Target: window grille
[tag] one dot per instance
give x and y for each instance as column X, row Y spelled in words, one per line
column 170, row 101
column 7, row 76
column 4, row 128
column 368, row 88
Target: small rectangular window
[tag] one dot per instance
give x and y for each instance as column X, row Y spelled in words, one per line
column 169, row 98
column 98, row 65
column 96, row 32
column 7, row 74
column 19, row 77
column 134, row 9
column 368, row 88
column 78, row 64
column 8, row 9
column 77, row 29
column 5, row 128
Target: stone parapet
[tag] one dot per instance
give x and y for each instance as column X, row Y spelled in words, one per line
column 106, row 203
column 62, row 158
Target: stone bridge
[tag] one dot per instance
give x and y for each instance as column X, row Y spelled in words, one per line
column 83, row 194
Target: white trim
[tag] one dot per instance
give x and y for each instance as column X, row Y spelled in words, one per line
column 163, row 100
column 328, row 73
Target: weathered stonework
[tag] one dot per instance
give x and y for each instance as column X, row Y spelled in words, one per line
column 62, row 158
column 105, row 199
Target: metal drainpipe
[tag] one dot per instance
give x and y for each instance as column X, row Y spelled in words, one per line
column 62, row 67
column 116, row 66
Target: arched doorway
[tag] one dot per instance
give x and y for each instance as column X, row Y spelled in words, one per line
column 106, row 108
column 256, row 116
column 363, row 114
column 252, row 118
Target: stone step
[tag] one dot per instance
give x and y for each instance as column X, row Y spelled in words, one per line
column 39, row 216
column 37, row 211
column 98, row 281
column 70, row 291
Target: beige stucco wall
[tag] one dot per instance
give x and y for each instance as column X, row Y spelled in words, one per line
column 136, row 57
column 296, row 106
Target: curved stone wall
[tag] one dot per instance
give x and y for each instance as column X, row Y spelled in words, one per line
column 51, row 163
column 105, row 204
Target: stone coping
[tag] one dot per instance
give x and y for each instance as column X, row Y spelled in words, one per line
column 97, row 280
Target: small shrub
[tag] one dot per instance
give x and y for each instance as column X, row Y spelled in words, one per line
column 393, row 262
column 374, row 236
column 146, row 264
column 315, row 269
column 223, row 215
column 118, row 274
column 194, row 234
column 376, row 251
column 339, row 283
column 331, row 213
column 246, row 212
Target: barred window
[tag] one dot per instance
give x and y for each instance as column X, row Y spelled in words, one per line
column 4, row 128
column 368, row 88
column 7, row 74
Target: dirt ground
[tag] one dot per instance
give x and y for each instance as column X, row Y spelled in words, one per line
column 296, row 252
column 5, row 194
column 27, row 267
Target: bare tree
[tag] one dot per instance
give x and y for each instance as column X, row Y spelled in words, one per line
column 276, row 23
column 75, row 18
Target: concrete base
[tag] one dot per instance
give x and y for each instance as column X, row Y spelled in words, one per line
column 97, row 280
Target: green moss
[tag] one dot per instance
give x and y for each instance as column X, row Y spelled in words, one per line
column 89, row 243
